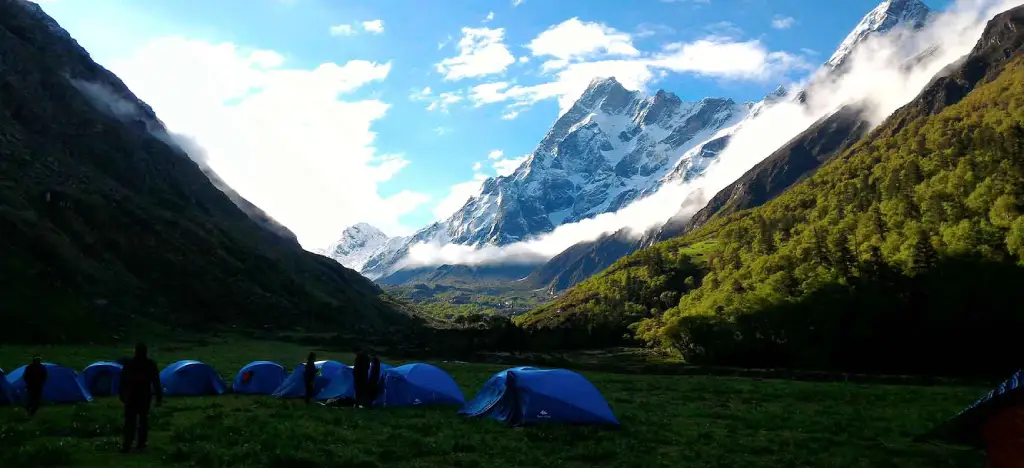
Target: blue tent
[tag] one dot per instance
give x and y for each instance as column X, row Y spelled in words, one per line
column 191, row 378
column 259, row 378
column 527, row 395
column 340, row 385
column 3, row 389
column 293, row 386
column 101, row 378
column 418, row 384
column 343, row 384
column 61, row 386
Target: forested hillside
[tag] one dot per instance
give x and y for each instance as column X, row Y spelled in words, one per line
column 902, row 254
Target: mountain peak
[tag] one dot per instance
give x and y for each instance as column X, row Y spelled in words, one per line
column 883, row 18
column 357, row 243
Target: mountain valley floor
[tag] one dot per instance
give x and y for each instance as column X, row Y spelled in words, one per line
column 666, row 421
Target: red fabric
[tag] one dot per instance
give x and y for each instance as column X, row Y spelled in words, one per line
column 1004, row 438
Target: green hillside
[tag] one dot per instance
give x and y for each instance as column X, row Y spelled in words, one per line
column 902, row 254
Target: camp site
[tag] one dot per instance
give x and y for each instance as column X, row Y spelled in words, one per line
column 225, row 408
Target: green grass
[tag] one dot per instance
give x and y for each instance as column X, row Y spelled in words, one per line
column 666, row 421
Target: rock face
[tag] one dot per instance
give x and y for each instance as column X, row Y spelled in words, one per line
column 887, row 16
column 357, row 244
column 611, row 147
column 614, row 146
column 107, row 219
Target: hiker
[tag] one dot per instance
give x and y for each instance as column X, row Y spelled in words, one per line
column 373, row 381
column 35, row 380
column 309, row 376
column 361, row 371
column 140, row 379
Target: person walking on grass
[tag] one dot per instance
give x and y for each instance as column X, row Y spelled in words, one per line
column 309, row 376
column 140, row 379
column 361, row 372
column 35, row 380
column 373, row 381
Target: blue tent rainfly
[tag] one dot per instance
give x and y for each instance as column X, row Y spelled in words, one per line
column 101, row 378
column 295, row 387
column 259, row 378
column 191, row 378
column 528, row 395
column 4, row 388
column 418, row 384
column 343, row 384
column 62, row 385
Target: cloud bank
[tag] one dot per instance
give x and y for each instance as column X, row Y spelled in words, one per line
column 877, row 79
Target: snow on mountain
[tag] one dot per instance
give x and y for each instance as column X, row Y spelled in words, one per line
column 912, row 14
column 613, row 146
column 360, row 242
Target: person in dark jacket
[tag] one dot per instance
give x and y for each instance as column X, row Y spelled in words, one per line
column 35, row 379
column 140, row 380
column 373, row 381
column 309, row 376
column 361, row 372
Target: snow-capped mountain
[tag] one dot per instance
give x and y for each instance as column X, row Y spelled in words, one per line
column 360, row 242
column 614, row 146
column 910, row 14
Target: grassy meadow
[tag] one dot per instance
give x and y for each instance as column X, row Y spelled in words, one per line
column 676, row 421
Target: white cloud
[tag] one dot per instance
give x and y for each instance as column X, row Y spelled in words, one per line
column 444, row 100
column 495, row 154
column 510, row 115
column 651, row 29
column 343, row 30
column 714, row 56
column 489, row 17
column 724, row 29
column 481, row 53
column 505, row 167
column 442, row 131
column 374, row 26
column 477, row 165
column 516, row 3
column 281, row 137
column 524, row 59
column 783, row 22
column 876, row 77
column 574, row 39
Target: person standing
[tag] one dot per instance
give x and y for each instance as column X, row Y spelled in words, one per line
column 35, row 380
column 361, row 372
column 309, row 376
column 373, row 382
column 140, row 379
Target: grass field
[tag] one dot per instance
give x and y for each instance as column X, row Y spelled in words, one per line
column 666, row 421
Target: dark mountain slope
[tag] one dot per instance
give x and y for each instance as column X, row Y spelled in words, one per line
column 909, row 241
column 768, row 179
column 105, row 220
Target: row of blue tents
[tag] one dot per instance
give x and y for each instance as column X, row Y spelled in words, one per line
column 520, row 396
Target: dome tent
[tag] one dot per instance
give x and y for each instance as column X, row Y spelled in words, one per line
column 294, row 387
column 417, row 384
column 4, row 389
column 101, row 378
column 259, row 378
column 528, row 395
column 191, row 378
column 994, row 422
column 62, row 385
column 342, row 385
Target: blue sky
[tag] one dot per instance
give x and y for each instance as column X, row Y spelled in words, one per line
column 321, row 146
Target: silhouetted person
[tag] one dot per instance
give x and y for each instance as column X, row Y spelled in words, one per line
column 361, row 371
column 35, row 379
column 309, row 376
column 373, row 381
column 140, row 379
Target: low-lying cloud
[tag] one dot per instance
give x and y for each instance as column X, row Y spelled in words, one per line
column 878, row 80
